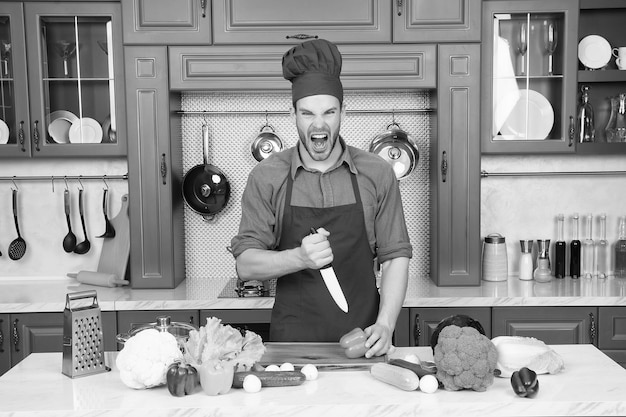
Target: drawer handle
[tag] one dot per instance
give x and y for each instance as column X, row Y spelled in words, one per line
column 163, row 168
column 301, row 36
column 572, row 132
column 592, row 328
column 1, row 337
column 399, row 5
column 36, row 135
column 444, row 166
column 16, row 337
column 417, row 332
column 203, row 7
column 20, row 136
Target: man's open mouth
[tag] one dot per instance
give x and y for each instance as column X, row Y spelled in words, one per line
column 319, row 140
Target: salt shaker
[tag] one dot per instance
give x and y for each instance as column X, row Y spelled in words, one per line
column 526, row 260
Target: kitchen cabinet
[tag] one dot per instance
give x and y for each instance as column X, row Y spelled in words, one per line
column 553, row 325
column 155, row 171
column 291, row 21
column 61, row 95
column 612, row 333
column 436, row 21
column 529, row 76
column 256, row 320
column 424, row 321
column 455, row 169
column 167, row 22
column 26, row 333
column 258, row 67
column 606, row 19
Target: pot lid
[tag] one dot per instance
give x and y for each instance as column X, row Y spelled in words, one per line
column 163, row 324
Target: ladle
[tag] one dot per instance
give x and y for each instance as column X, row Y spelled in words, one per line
column 17, row 248
column 84, row 246
column 69, row 241
column 109, row 230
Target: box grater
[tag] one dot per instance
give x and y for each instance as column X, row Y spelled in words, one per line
column 83, row 347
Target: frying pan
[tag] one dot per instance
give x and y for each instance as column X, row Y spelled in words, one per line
column 206, row 189
column 398, row 148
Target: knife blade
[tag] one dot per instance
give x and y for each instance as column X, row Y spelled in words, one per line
column 332, row 284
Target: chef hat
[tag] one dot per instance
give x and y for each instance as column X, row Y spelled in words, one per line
column 313, row 67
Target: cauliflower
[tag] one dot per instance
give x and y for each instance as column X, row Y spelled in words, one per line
column 465, row 359
column 144, row 359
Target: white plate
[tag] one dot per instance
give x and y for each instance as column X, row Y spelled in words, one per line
column 59, row 123
column 540, row 118
column 594, row 51
column 86, row 130
column 4, row 132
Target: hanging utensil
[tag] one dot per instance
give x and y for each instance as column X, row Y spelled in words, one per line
column 398, row 148
column 206, row 189
column 17, row 248
column 109, row 230
column 69, row 241
column 266, row 142
column 84, row 246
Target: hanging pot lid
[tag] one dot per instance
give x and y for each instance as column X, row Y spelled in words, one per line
column 398, row 148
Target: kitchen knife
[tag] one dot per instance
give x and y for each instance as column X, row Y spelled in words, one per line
column 332, row 284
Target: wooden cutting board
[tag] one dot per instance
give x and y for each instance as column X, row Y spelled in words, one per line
column 325, row 356
column 115, row 251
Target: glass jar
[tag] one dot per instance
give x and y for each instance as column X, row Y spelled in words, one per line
column 615, row 130
column 586, row 123
column 495, row 261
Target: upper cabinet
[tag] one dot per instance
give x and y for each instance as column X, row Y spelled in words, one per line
column 167, row 22
column 529, row 76
column 291, row 21
column 601, row 33
column 67, row 101
column 436, row 21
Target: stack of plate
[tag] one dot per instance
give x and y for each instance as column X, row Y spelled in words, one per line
column 66, row 127
column 4, row 132
column 594, row 52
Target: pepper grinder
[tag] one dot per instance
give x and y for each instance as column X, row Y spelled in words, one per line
column 542, row 272
column 526, row 260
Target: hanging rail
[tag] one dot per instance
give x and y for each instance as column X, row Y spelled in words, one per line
column 485, row 174
column 64, row 177
column 285, row 112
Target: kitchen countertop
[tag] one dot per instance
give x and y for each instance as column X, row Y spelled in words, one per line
column 591, row 384
column 48, row 295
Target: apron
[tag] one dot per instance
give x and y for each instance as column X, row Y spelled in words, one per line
column 304, row 310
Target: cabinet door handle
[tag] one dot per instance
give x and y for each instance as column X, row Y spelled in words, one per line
column 163, row 169
column 301, row 36
column 417, row 332
column 1, row 337
column 16, row 337
column 444, row 166
column 203, row 7
column 572, row 131
column 190, row 319
column 36, row 135
column 592, row 328
column 20, row 136
column 399, row 6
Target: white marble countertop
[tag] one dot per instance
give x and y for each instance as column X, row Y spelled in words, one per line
column 48, row 295
column 591, row 384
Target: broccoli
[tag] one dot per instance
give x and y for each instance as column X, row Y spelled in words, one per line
column 465, row 359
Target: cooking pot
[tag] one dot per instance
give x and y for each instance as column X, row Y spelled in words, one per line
column 163, row 324
column 206, row 189
column 266, row 143
column 398, row 148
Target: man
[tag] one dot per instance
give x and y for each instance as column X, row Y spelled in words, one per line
column 319, row 202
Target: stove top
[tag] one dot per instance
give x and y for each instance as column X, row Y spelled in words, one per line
column 236, row 288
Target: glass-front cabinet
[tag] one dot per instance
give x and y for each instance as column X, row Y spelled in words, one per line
column 529, row 70
column 60, row 91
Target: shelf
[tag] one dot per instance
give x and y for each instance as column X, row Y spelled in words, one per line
column 601, row 76
column 601, row 148
column 601, row 4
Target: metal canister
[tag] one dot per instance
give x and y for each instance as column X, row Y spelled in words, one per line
column 494, row 258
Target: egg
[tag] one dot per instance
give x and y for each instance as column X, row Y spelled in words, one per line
column 251, row 383
column 286, row 367
column 272, row 368
column 310, row 372
column 412, row 358
column 429, row 384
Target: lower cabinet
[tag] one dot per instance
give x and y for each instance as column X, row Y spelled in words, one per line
column 256, row 320
column 553, row 325
column 612, row 333
column 26, row 333
column 424, row 321
column 131, row 319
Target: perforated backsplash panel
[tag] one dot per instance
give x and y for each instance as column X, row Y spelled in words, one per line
column 231, row 135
